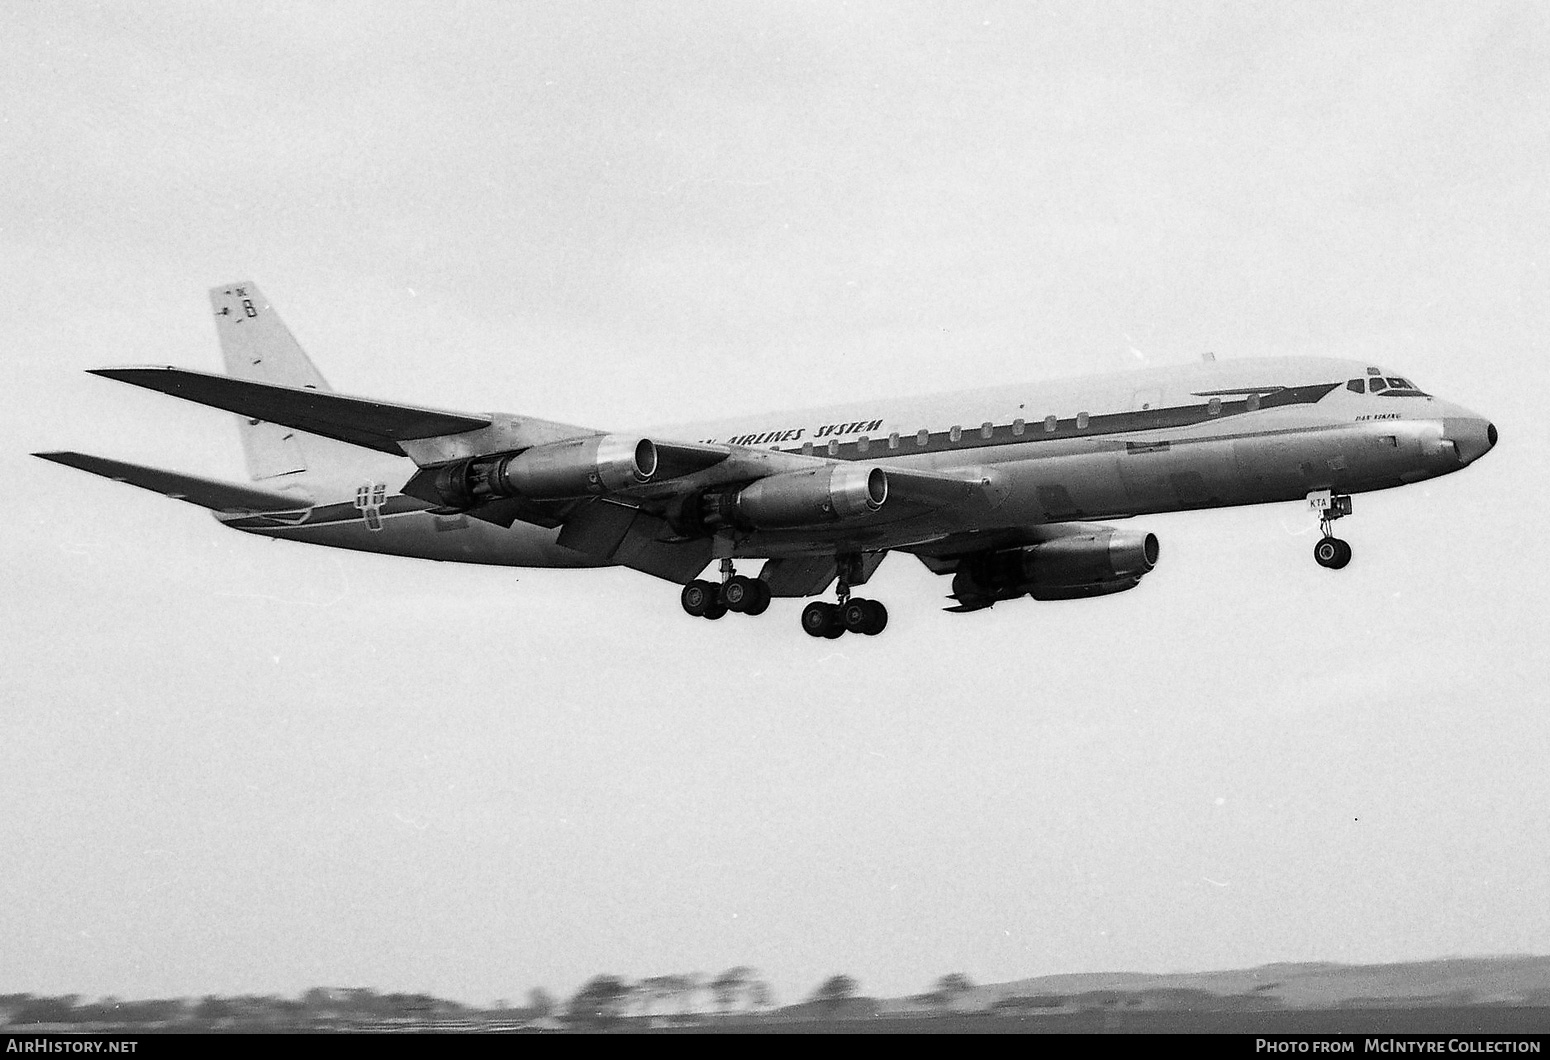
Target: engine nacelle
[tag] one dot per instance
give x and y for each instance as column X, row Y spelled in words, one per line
column 555, row 471
column 1092, row 563
column 798, row 498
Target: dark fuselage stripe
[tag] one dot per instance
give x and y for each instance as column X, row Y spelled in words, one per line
column 972, row 436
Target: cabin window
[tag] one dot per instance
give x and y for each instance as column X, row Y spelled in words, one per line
column 807, row 448
column 1355, row 386
column 1081, row 421
column 955, row 434
column 987, row 429
column 1214, row 406
column 1018, row 426
column 1376, row 385
column 893, row 440
column 863, row 444
column 923, row 437
column 1252, row 402
column 834, row 447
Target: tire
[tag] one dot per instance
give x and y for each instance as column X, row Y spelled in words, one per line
column 761, row 598
column 857, row 616
column 878, row 619
column 696, row 597
column 738, row 594
column 1328, row 551
column 1344, row 557
column 818, row 618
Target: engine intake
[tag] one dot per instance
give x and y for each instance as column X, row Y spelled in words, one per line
column 1093, row 563
column 798, row 498
column 551, row 472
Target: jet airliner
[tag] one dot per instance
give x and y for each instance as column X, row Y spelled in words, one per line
column 1001, row 489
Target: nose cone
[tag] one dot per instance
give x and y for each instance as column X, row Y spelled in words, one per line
column 1473, row 436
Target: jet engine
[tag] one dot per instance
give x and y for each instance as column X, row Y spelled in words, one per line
column 796, row 498
column 1089, row 563
column 551, row 472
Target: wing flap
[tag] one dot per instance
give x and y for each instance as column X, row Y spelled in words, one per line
column 205, row 492
column 375, row 425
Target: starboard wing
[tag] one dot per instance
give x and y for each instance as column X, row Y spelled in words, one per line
column 378, row 425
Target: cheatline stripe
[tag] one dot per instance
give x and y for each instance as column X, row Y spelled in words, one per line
column 971, row 436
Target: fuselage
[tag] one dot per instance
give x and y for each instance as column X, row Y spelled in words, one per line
column 1101, row 447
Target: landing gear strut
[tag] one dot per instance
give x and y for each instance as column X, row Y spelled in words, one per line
column 1330, row 552
column 706, row 599
column 851, row 614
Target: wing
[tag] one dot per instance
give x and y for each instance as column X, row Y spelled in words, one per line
column 619, row 498
column 374, row 424
column 205, row 492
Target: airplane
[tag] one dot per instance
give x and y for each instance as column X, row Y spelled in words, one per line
column 1002, row 488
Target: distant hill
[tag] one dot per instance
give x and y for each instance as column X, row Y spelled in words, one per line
column 1517, row 980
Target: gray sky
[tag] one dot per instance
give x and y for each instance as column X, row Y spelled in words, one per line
column 228, row 764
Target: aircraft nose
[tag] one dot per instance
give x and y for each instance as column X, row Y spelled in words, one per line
column 1472, row 436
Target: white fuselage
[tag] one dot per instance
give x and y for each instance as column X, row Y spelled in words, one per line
column 1103, row 447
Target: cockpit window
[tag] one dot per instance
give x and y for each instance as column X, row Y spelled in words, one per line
column 1400, row 384
column 1355, row 386
column 1375, row 385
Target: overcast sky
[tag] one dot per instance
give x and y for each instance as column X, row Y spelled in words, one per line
column 234, row 765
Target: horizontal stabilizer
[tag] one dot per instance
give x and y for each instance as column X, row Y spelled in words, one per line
column 205, row 492
column 361, row 421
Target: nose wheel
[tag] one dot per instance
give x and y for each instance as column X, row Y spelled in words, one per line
column 1330, row 552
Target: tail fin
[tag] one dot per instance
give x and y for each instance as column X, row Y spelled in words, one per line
column 257, row 346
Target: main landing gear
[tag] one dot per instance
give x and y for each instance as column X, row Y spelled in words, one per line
column 821, row 619
column 850, row 615
column 1330, row 552
column 705, row 599
column 751, row 596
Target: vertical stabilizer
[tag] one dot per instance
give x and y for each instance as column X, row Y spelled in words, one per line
column 258, row 346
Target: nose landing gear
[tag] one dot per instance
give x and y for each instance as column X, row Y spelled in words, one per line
column 1330, row 552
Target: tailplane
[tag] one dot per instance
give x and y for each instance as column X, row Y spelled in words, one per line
column 258, row 346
